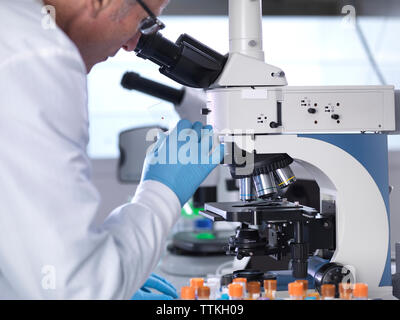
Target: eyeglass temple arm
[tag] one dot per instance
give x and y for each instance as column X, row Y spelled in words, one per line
column 146, row 8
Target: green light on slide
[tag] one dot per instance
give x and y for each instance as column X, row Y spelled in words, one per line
column 205, row 236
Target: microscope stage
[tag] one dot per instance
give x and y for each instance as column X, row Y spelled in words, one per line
column 256, row 212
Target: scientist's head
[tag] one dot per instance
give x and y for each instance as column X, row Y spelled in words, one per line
column 99, row 28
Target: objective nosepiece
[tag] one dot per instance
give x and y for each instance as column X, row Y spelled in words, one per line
column 265, row 185
column 284, row 177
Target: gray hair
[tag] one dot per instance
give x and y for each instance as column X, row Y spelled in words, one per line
column 125, row 7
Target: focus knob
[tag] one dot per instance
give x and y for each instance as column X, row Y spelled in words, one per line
column 312, row 110
column 205, row 111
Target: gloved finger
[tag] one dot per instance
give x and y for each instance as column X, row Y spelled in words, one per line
column 162, row 287
column 157, row 296
column 207, row 137
column 182, row 131
column 159, row 285
column 148, row 295
column 183, row 124
column 139, row 295
column 155, row 275
column 161, row 137
column 197, row 126
column 163, row 280
column 145, row 289
column 217, row 155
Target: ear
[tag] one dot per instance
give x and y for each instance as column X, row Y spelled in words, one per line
column 97, row 6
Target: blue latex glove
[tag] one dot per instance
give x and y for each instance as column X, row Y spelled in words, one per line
column 168, row 291
column 182, row 159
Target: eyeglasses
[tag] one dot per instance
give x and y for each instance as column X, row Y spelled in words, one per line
column 150, row 24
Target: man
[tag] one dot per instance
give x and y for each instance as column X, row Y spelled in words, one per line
column 49, row 245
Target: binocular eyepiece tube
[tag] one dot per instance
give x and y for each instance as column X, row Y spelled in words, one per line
column 187, row 61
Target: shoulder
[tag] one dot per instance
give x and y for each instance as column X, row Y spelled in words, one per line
column 43, row 72
column 27, row 33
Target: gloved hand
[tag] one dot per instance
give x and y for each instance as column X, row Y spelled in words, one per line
column 168, row 292
column 182, row 159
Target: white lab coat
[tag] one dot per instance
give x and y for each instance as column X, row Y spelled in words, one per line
column 49, row 245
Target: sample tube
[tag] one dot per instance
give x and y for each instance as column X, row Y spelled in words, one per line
column 243, row 283
column 270, row 286
column 328, row 291
column 345, row 291
column 235, row 291
column 188, row 293
column 196, row 283
column 214, row 285
column 225, row 281
column 254, row 290
column 296, row 291
column 305, row 286
column 360, row 291
column 203, row 293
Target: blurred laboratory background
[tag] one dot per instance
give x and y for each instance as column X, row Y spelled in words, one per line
column 324, row 42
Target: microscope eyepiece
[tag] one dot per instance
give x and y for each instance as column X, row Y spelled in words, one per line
column 158, row 49
column 188, row 61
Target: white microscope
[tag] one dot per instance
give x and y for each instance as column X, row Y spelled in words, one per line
column 336, row 133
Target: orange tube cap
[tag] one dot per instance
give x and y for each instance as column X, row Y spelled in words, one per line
column 235, row 290
column 188, row 293
column 296, row 289
column 360, row 290
column 196, row 282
